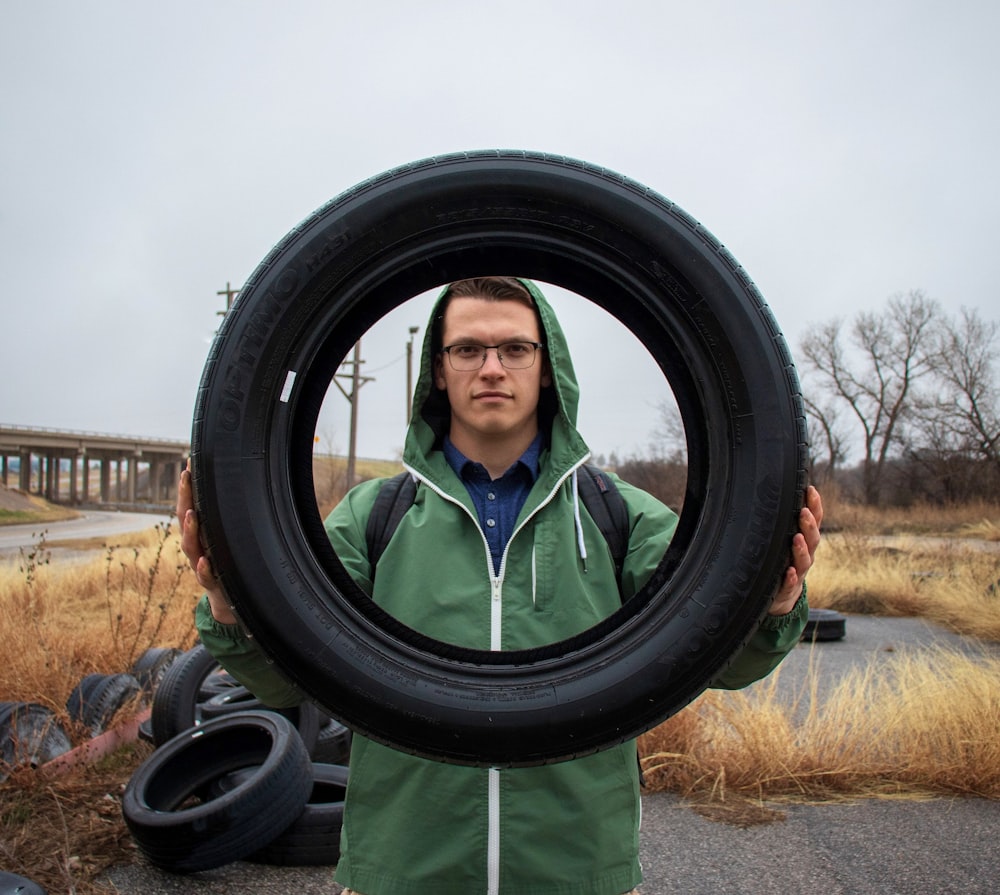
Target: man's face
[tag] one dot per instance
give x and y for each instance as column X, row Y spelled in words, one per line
column 492, row 402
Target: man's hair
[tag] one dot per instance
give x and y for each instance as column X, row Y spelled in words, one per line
column 486, row 288
column 490, row 288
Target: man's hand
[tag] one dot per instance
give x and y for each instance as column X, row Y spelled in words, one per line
column 193, row 550
column 804, row 546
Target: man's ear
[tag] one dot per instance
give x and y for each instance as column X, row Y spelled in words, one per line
column 439, row 373
column 546, row 380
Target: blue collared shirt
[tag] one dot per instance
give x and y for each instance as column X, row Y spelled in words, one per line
column 497, row 501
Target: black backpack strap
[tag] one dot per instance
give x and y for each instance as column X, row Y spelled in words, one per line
column 394, row 498
column 607, row 508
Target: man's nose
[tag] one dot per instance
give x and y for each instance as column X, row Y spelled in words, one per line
column 491, row 365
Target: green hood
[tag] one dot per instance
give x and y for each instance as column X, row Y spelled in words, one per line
column 558, row 404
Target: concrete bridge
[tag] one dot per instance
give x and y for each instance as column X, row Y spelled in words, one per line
column 77, row 468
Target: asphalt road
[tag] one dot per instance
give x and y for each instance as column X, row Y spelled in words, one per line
column 89, row 524
column 942, row 846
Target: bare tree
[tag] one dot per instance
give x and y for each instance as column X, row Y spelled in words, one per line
column 670, row 440
column 958, row 431
column 826, row 419
column 966, row 364
column 890, row 353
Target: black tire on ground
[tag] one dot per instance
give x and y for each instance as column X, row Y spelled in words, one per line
column 333, row 741
column 30, row 736
column 305, row 716
column 14, row 884
column 227, row 701
column 558, row 221
column 98, row 697
column 177, row 697
column 149, row 668
column 177, row 832
column 825, row 625
column 314, row 836
column 220, row 681
column 82, row 694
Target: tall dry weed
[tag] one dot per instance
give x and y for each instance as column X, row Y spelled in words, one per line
column 975, row 519
column 60, row 622
column 927, row 722
column 950, row 582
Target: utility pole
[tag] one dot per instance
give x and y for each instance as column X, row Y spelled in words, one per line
column 409, row 374
column 357, row 380
column 230, row 294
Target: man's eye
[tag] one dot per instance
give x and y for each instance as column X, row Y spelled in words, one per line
column 467, row 350
column 515, row 349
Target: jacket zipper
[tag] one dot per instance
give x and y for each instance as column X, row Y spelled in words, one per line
column 496, row 622
column 493, row 832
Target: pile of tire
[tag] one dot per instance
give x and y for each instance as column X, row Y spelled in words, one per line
column 32, row 734
column 230, row 779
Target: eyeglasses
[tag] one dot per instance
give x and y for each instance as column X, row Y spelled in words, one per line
column 465, row 358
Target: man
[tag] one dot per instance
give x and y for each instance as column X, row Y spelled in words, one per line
column 495, row 553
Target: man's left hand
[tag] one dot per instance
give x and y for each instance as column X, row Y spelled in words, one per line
column 804, row 546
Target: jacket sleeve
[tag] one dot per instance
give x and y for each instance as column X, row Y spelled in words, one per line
column 652, row 527
column 241, row 656
column 245, row 660
column 774, row 639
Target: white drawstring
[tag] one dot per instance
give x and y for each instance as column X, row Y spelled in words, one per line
column 579, row 525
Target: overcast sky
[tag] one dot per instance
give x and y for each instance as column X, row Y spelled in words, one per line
column 151, row 153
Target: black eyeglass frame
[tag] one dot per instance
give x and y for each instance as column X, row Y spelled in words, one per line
column 537, row 346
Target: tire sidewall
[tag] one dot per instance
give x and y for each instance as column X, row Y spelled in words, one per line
column 678, row 290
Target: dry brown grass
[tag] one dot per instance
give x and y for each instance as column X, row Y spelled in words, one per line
column 59, row 622
column 925, row 724
column 978, row 519
column 19, row 508
column 64, row 833
column 951, row 582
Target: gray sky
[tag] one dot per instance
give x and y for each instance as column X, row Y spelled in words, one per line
column 844, row 152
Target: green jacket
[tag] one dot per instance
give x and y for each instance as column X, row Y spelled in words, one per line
column 414, row 826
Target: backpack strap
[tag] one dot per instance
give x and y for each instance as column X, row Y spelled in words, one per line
column 607, row 508
column 394, row 498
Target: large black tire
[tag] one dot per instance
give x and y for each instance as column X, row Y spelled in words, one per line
column 30, row 736
column 177, row 831
column 558, row 221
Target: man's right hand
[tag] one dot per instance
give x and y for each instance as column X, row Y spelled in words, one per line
column 195, row 552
